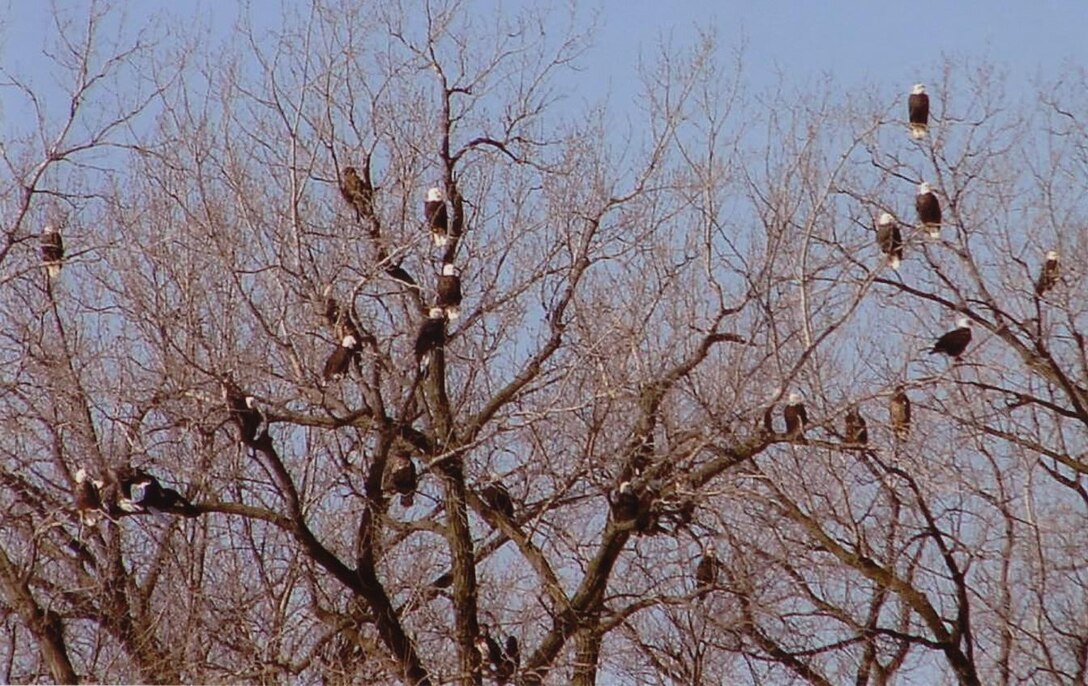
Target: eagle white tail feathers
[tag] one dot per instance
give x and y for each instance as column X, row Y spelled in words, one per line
column 453, row 313
column 918, row 131
column 440, row 239
column 894, row 262
column 934, row 230
column 53, row 269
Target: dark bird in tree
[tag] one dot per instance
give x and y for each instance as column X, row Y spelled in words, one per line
column 1050, row 274
column 449, row 291
column 432, row 336
column 954, row 342
column 244, row 413
column 511, row 656
column 140, row 493
column 340, row 360
column 398, row 273
column 768, row 419
column 929, row 210
column 88, row 498
column 52, row 248
column 890, row 240
column 706, row 572
column 438, row 221
column 497, row 497
column 899, row 411
column 403, row 478
column 856, row 431
column 625, row 502
column 357, row 191
column 796, row 416
column 918, row 111
column 491, row 653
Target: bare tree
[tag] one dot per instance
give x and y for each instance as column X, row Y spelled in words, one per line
column 300, row 469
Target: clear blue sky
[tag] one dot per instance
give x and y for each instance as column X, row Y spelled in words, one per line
column 854, row 42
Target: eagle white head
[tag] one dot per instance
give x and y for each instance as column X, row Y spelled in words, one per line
column 963, row 323
column 436, row 313
column 435, row 195
column 50, row 228
column 918, row 89
column 924, row 188
column 449, row 270
column 81, row 475
column 251, row 402
column 886, row 219
column 348, row 341
column 625, row 487
column 709, row 550
column 1051, row 255
column 796, row 398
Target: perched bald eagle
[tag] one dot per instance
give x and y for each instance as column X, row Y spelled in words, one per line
column 856, row 431
column 625, row 502
column 88, row 498
column 432, row 336
column 497, row 497
column 706, row 572
column 1051, row 272
column 890, row 239
column 434, row 209
column 899, row 411
column 357, row 191
column 449, row 291
column 140, row 493
column 52, row 249
column 918, row 111
column 796, row 416
column 340, row 360
column 929, row 210
column 244, row 413
column 954, row 342
column 403, row 478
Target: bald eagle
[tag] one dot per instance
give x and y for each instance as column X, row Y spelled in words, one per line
column 432, row 336
column 244, row 413
column 954, row 342
column 357, row 191
column 140, row 493
column 402, row 477
column 796, row 416
column 449, row 291
column 340, row 360
column 1051, row 272
column 52, row 249
column 706, row 572
column 856, row 431
column 899, row 410
column 890, row 239
column 625, row 502
column 929, row 210
column 918, row 111
column 497, row 497
column 434, row 209
column 88, row 498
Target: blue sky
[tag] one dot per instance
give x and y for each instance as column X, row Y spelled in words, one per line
column 853, row 42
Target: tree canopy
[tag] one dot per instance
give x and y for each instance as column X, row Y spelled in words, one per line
column 647, row 287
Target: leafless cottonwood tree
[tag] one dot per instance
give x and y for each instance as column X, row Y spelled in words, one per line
column 645, row 284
